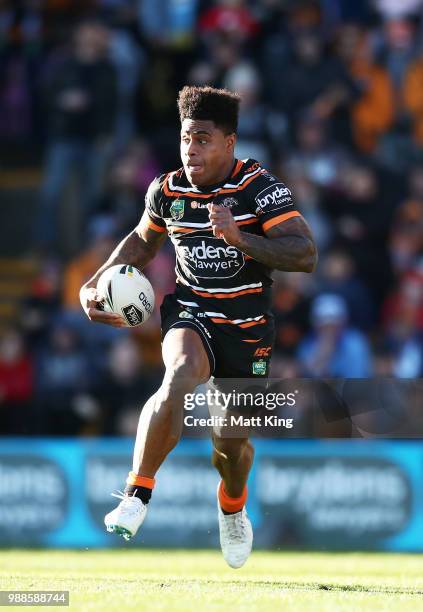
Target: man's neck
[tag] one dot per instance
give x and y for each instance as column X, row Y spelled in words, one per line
column 225, row 174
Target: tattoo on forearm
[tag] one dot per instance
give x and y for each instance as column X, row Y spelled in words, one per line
column 288, row 247
column 134, row 250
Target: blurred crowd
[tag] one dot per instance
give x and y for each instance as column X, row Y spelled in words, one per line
column 332, row 102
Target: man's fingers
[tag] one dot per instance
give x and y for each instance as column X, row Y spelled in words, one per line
column 216, row 216
column 109, row 318
column 213, row 207
column 94, row 304
column 92, row 295
column 217, row 231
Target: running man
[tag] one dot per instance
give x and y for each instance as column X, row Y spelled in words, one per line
column 231, row 222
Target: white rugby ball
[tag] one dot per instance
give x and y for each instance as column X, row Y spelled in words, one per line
column 126, row 291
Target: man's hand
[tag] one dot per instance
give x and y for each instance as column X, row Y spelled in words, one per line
column 90, row 301
column 223, row 224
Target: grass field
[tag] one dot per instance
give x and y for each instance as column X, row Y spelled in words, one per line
column 200, row 580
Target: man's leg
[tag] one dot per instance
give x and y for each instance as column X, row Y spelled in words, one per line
column 233, row 458
column 161, row 419
column 160, row 426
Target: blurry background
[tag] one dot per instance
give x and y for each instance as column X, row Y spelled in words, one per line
column 332, row 102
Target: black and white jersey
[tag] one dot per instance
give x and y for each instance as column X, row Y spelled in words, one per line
column 224, row 283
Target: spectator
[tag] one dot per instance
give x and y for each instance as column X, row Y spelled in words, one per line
column 404, row 327
column 128, row 60
column 129, row 178
column 64, row 375
column 406, row 240
column 361, row 218
column 334, row 349
column 230, row 17
column 81, row 108
column 339, row 276
column 314, row 155
column 43, row 303
column 312, row 82
column 307, row 196
column 168, row 23
column 398, row 48
column 291, row 303
column 16, row 385
column 79, row 270
column 405, row 302
column 372, row 113
column 413, row 97
column 261, row 132
column 127, row 386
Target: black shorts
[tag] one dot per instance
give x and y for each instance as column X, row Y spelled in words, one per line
column 233, row 352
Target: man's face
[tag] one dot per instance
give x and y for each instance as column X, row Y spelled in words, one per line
column 206, row 152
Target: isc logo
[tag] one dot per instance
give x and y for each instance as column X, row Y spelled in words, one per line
column 263, row 351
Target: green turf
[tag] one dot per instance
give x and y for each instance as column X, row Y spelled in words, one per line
column 199, row 580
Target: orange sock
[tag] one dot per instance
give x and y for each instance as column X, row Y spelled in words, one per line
column 231, row 504
column 140, row 481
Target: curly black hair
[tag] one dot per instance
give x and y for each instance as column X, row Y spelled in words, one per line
column 218, row 105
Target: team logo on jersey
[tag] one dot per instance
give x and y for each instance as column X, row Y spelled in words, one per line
column 177, row 209
column 259, row 367
column 229, row 202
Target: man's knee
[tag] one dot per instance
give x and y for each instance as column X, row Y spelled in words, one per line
column 185, row 358
column 181, row 377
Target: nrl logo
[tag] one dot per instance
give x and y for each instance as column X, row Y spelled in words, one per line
column 177, row 209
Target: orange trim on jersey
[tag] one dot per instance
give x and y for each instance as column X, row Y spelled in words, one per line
column 171, row 194
column 156, row 228
column 243, row 325
column 252, row 323
column 247, row 221
column 237, row 168
column 280, row 219
column 259, row 340
column 227, row 295
column 247, row 182
column 192, row 194
column 187, row 230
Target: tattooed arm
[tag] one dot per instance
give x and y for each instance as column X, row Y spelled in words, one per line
column 287, row 246
column 137, row 249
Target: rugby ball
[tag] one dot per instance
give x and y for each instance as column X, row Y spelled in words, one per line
column 125, row 290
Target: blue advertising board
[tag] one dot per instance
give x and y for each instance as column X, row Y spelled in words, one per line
column 340, row 494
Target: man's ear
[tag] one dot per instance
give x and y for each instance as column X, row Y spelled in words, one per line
column 231, row 142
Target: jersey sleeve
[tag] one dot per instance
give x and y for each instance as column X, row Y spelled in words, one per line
column 273, row 201
column 152, row 205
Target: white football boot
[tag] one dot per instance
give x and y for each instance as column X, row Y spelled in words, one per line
column 127, row 518
column 236, row 536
